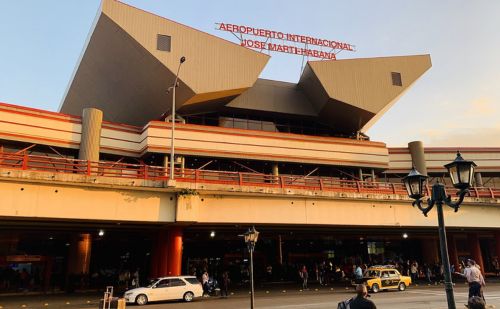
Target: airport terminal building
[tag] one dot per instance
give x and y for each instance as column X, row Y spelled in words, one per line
column 86, row 191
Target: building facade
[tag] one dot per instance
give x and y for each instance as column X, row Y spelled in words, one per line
column 86, row 194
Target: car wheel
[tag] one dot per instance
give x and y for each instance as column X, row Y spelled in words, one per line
column 141, row 299
column 402, row 286
column 375, row 288
column 188, row 296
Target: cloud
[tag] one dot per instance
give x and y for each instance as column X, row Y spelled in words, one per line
column 481, row 107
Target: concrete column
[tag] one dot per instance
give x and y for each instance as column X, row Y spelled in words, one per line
column 91, row 134
column 497, row 246
column 275, row 171
column 175, row 252
column 475, row 249
column 79, row 255
column 478, row 180
column 418, row 156
column 430, row 251
column 452, row 251
column 280, row 250
column 159, row 262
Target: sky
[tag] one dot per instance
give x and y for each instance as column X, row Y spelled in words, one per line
column 456, row 103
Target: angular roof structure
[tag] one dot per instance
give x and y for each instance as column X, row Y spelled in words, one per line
column 122, row 72
column 364, row 89
column 131, row 58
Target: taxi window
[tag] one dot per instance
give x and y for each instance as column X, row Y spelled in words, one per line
column 393, row 274
column 372, row 273
column 385, row 274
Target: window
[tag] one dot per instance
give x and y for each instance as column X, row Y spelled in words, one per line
column 396, row 79
column 163, row 283
column 177, row 282
column 393, row 274
column 192, row 280
column 163, row 42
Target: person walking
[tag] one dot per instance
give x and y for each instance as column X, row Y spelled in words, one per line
column 225, row 284
column 414, row 271
column 204, row 283
column 474, row 278
column 304, row 275
column 358, row 274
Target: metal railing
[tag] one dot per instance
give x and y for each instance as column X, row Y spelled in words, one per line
column 16, row 161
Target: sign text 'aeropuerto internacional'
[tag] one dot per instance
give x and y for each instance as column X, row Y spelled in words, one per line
column 333, row 46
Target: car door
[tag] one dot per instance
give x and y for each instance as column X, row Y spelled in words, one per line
column 385, row 280
column 394, row 276
column 177, row 288
column 160, row 291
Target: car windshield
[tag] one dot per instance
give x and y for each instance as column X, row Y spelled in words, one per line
column 372, row 273
column 152, row 282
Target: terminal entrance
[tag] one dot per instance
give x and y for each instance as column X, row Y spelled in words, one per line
column 69, row 257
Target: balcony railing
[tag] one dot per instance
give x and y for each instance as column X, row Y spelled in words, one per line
column 35, row 163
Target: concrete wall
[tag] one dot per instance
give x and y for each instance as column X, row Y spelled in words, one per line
column 255, row 209
column 56, row 201
column 486, row 158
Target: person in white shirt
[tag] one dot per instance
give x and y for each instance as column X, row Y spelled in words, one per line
column 474, row 278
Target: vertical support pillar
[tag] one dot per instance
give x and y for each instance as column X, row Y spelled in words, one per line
column 161, row 259
column 452, row 246
column 280, row 250
column 91, row 134
column 430, row 251
column 418, row 156
column 497, row 245
column 478, row 179
column 175, row 252
column 275, row 170
column 475, row 249
column 79, row 256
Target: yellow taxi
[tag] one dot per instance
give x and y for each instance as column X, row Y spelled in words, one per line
column 379, row 278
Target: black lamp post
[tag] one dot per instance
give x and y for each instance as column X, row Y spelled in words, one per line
column 251, row 237
column 461, row 172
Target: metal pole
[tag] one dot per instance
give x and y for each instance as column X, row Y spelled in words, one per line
column 448, row 285
column 173, row 130
column 172, row 137
column 251, row 277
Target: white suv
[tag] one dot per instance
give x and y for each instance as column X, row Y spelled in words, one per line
column 166, row 288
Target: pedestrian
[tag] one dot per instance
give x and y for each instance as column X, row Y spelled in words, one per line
column 304, row 275
column 358, row 274
column 414, row 271
column 361, row 300
column 474, row 278
column 225, row 284
column 428, row 274
column 476, row 303
column 135, row 278
column 204, row 283
column 496, row 266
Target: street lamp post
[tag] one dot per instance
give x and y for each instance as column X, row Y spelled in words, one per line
column 461, row 173
column 171, row 178
column 251, row 237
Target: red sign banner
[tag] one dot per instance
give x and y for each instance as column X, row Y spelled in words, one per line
column 333, row 46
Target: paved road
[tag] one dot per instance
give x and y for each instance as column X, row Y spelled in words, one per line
column 428, row 297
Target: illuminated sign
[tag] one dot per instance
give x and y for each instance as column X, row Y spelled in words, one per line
column 332, row 47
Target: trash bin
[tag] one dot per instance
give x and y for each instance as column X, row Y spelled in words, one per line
column 114, row 303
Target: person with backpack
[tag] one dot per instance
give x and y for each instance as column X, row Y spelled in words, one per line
column 358, row 302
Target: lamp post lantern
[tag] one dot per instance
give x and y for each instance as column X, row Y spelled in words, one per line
column 251, row 237
column 171, row 178
column 461, row 172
